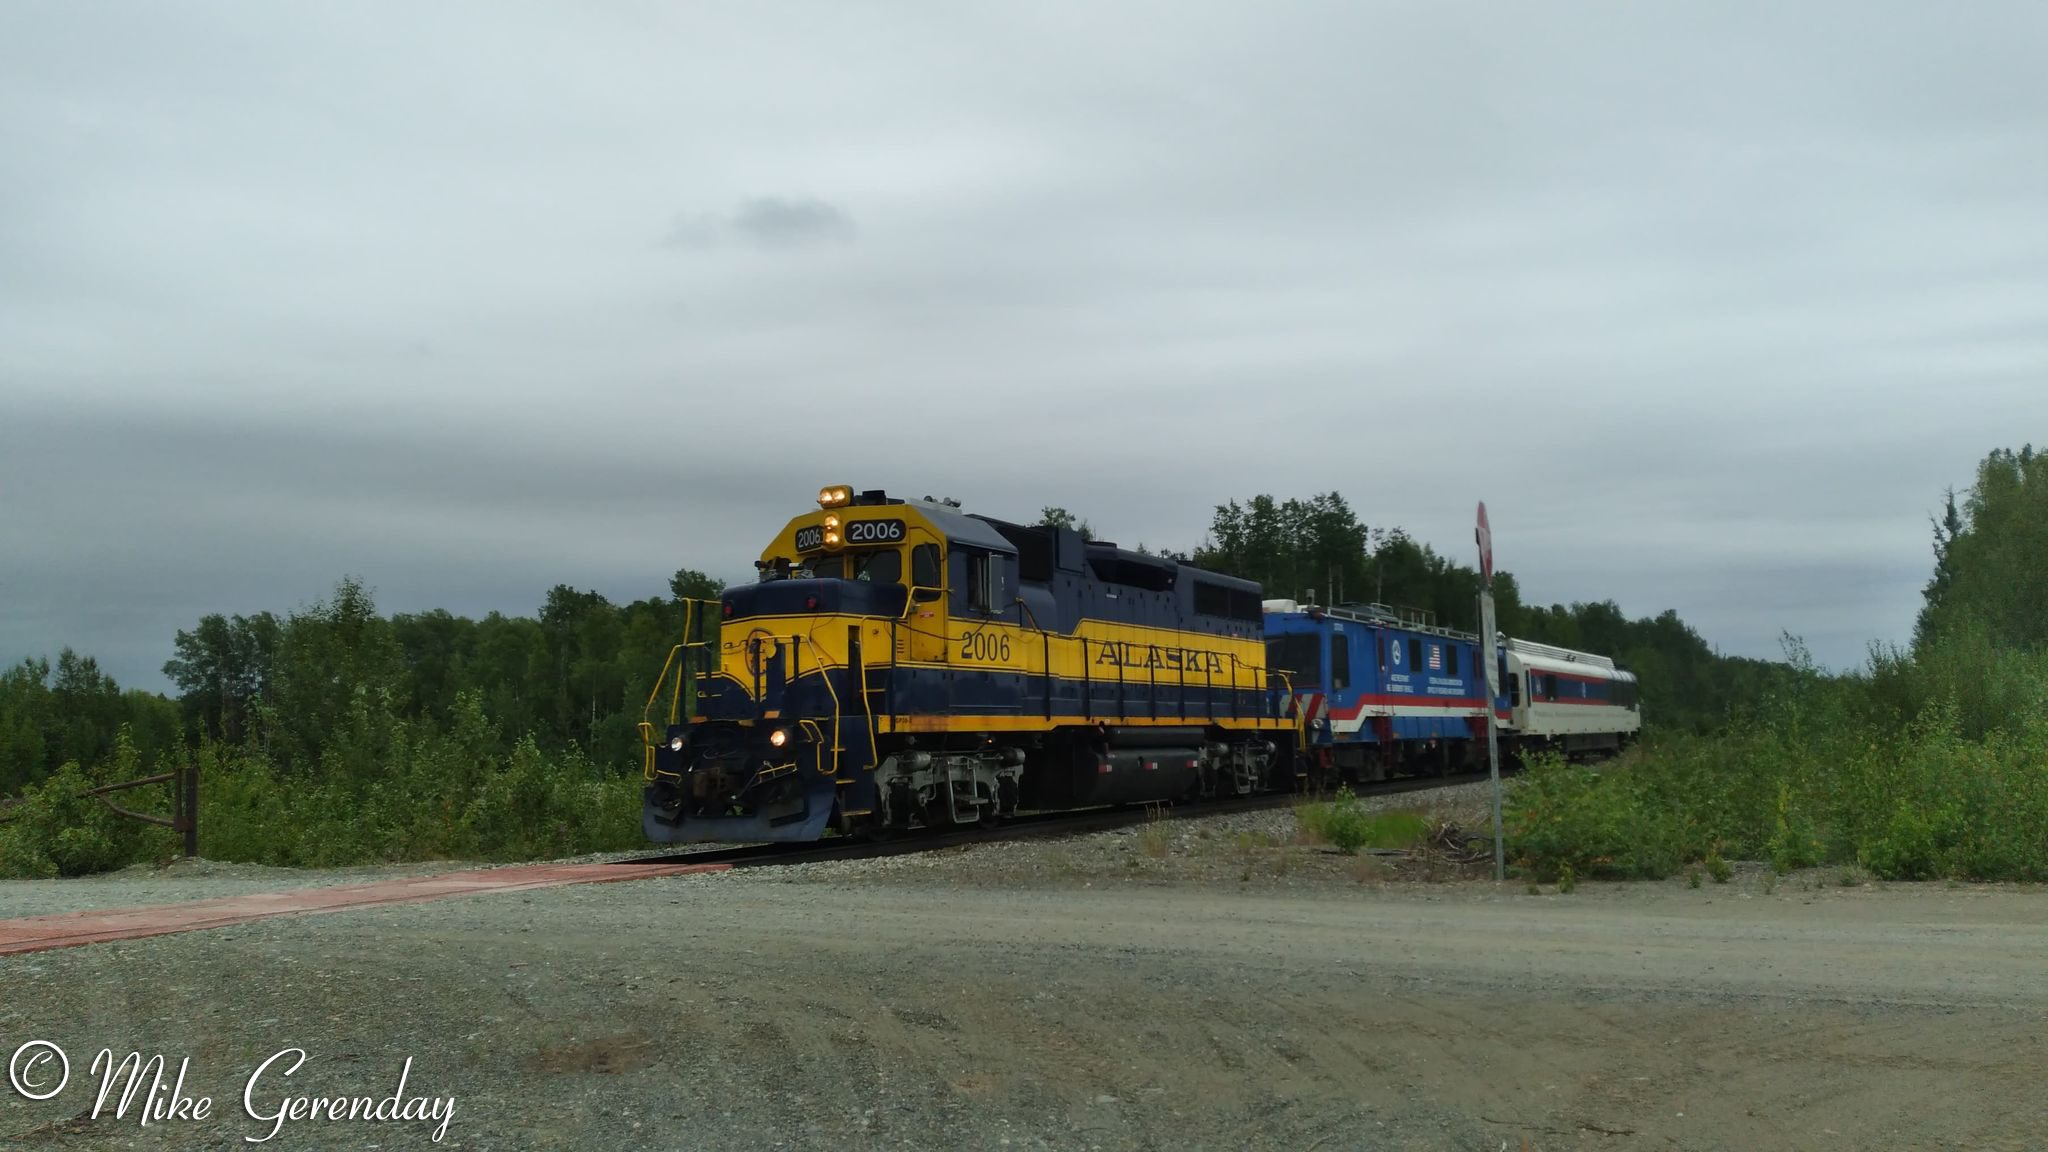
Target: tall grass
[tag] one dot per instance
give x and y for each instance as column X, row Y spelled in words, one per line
column 1932, row 766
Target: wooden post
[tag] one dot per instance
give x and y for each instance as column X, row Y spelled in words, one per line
column 187, row 785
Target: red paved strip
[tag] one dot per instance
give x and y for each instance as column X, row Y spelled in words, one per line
column 70, row 929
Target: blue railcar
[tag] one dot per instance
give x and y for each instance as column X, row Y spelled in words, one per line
column 1384, row 692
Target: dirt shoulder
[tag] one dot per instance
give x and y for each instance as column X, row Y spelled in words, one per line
column 1051, row 995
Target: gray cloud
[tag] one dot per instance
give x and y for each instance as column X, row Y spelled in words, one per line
column 1706, row 305
column 766, row 222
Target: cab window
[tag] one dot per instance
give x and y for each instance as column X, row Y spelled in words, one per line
column 981, row 579
column 883, row 567
column 924, row 566
column 976, row 577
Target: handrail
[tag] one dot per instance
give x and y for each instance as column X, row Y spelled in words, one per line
column 825, row 675
column 693, row 639
column 910, row 599
column 646, row 725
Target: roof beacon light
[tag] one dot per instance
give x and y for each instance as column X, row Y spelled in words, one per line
column 835, row 496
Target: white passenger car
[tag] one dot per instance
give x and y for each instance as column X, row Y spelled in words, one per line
column 1571, row 702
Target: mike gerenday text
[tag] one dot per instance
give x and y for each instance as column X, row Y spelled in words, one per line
column 36, row 1064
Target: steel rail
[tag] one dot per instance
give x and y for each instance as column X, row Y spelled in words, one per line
column 1027, row 826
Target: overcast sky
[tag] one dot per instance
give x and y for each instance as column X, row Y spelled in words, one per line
column 1708, row 302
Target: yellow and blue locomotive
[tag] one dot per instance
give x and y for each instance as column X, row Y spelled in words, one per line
column 902, row 664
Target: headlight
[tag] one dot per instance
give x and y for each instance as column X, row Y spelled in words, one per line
column 779, row 737
column 676, row 744
column 831, row 523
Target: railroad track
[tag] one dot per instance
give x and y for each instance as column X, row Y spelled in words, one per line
column 1027, row 826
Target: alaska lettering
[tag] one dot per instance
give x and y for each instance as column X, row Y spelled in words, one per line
column 1118, row 654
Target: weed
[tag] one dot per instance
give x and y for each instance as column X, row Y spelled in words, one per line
column 1692, row 878
column 1533, row 890
column 1249, row 844
column 1154, row 839
column 1566, row 878
column 1717, row 867
column 1348, row 827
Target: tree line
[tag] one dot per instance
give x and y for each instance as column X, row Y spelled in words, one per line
column 577, row 673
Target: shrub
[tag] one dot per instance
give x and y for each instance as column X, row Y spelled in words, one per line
column 54, row 831
column 1718, row 868
column 1905, row 851
column 1603, row 824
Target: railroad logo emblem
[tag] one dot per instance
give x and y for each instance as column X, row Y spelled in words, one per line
column 759, row 643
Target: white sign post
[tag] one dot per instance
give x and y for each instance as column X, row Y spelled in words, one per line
column 1491, row 658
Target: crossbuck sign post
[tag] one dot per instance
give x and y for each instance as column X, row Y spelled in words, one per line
column 1489, row 639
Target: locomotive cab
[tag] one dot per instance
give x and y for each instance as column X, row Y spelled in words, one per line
column 784, row 738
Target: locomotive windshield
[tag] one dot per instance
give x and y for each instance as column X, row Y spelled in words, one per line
column 879, row 566
column 1299, row 655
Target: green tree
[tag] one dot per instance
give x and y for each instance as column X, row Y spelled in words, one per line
column 221, row 668
column 1050, row 517
column 338, row 667
column 1988, row 556
column 690, row 584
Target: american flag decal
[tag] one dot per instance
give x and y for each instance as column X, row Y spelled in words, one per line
column 1436, row 656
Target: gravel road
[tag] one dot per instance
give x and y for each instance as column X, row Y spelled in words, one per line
column 940, row 1005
